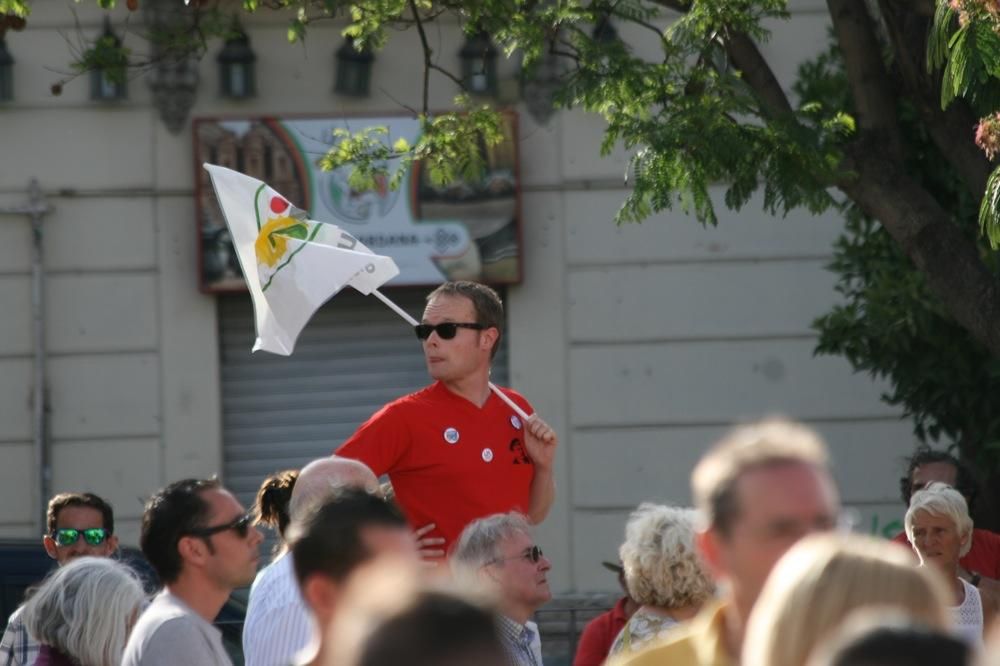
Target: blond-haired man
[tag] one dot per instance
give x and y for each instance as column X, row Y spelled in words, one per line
column 759, row 490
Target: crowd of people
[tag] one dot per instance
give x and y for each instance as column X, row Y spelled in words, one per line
column 439, row 564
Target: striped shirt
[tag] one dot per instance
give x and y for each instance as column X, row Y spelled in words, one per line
column 520, row 642
column 17, row 647
column 278, row 623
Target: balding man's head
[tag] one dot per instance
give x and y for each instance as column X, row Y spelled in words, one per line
column 320, row 478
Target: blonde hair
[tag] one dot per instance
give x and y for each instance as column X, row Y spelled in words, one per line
column 661, row 566
column 762, row 444
column 85, row 610
column 940, row 499
column 824, row 577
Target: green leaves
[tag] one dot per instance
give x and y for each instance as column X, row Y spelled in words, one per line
column 989, row 210
column 450, row 147
column 890, row 325
column 19, row 8
column 107, row 55
column 971, row 59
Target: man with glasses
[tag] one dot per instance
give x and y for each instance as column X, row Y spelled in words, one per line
column 454, row 450
column 79, row 524
column 759, row 490
column 499, row 551
column 200, row 541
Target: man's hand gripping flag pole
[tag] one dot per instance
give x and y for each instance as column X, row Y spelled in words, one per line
column 293, row 265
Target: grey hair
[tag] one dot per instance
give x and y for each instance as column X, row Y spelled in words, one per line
column 478, row 544
column 322, row 478
column 86, row 609
column 940, row 499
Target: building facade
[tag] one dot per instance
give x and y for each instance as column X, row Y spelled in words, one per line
column 640, row 344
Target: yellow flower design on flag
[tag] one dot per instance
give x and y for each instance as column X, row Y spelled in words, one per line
column 272, row 241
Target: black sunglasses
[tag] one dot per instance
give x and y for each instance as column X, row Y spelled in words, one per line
column 532, row 554
column 445, row 331
column 94, row 536
column 240, row 525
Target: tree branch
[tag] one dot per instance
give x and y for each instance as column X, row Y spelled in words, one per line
column 747, row 58
column 757, row 73
column 425, row 107
column 950, row 129
column 923, row 230
column 866, row 73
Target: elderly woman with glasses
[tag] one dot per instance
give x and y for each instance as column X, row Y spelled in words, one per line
column 662, row 572
column 940, row 529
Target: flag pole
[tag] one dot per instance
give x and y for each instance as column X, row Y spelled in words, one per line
column 413, row 322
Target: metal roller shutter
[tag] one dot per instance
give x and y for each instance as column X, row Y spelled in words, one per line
column 280, row 412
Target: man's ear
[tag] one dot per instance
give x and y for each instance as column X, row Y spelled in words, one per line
column 192, row 549
column 50, row 546
column 321, row 595
column 708, row 543
column 488, row 337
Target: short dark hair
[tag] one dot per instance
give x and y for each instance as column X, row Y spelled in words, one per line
column 436, row 629
column 172, row 513
column 911, row 645
column 329, row 541
column 965, row 480
column 485, row 301
column 63, row 500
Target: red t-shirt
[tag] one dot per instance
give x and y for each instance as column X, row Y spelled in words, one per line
column 450, row 462
column 599, row 634
column 984, row 556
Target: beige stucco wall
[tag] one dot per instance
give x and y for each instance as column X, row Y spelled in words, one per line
column 640, row 344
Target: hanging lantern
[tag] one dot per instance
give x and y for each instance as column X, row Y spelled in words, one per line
column 6, row 73
column 107, row 84
column 604, row 32
column 236, row 67
column 479, row 64
column 354, row 70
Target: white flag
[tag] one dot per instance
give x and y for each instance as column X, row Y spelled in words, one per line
column 292, row 264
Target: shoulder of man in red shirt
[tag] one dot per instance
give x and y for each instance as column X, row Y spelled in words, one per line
column 984, row 556
column 380, row 441
column 599, row 634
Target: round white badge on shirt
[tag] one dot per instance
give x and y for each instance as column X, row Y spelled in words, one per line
column 514, row 421
column 451, row 435
column 487, row 455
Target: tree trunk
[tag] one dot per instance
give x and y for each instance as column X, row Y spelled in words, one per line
column 950, row 261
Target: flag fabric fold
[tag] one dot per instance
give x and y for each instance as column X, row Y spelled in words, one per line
column 292, row 264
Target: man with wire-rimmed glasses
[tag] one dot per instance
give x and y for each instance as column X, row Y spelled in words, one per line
column 200, row 541
column 499, row 552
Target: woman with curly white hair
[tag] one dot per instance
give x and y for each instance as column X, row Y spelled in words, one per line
column 940, row 529
column 662, row 573
column 83, row 612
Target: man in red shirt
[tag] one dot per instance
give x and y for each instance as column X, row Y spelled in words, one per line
column 601, row 632
column 455, row 451
column 981, row 565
